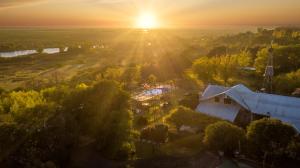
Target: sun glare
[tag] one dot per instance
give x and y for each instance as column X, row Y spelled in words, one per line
column 146, row 21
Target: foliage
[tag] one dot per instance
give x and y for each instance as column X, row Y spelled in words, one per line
column 132, row 76
column 224, row 136
column 269, row 136
column 293, row 148
column 113, row 74
column 286, row 59
column 102, row 112
column 57, row 94
column 185, row 116
column 16, row 103
column 287, row 83
column 205, row 69
column 187, row 146
column 46, row 124
column 224, row 67
column 261, row 60
column 10, row 135
column 218, row 51
column 157, row 133
column 141, row 121
column 190, row 100
column 51, row 122
column 152, row 79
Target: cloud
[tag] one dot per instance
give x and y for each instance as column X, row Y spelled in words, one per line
column 11, row 3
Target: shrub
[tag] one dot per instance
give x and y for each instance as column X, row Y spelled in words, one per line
column 185, row 116
column 17, row 102
column 224, row 136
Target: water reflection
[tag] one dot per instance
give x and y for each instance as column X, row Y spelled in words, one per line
column 51, row 50
column 17, row 53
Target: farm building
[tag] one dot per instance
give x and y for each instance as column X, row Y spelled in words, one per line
column 240, row 105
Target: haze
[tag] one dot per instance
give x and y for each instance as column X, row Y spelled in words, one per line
column 169, row 13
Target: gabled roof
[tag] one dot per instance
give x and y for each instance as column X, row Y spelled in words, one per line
column 281, row 107
column 213, row 90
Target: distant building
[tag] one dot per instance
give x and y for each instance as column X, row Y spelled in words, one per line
column 240, row 105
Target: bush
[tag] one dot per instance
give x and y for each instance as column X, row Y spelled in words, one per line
column 224, row 136
column 185, row 116
column 157, row 133
column 269, row 136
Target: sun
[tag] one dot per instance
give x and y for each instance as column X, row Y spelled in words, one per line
column 146, row 21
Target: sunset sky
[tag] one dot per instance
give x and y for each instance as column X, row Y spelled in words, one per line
column 167, row 13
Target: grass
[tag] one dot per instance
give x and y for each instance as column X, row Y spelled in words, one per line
column 16, row 72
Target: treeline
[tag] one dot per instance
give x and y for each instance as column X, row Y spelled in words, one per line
column 241, row 59
column 46, row 126
column 267, row 141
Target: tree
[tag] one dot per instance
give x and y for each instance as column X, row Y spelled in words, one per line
column 102, row 112
column 222, row 67
column 58, row 94
column 269, row 137
column 152, row 79
column 141, row 121
column 131, row 76
column 190, row 100
column 227, row 67
column 224, row 136
column 286, row 59
column 205, row 69
column 218, row 51
column 113, row 74
column 16, row 103
column 287, row 83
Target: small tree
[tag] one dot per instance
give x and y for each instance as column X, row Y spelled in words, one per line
column 205, row 69
column 224, row 136
column 269, row 137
